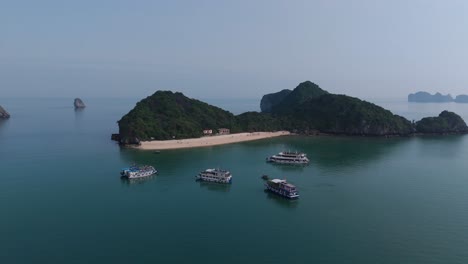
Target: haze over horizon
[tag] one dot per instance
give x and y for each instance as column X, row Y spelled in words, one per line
column 241, row 49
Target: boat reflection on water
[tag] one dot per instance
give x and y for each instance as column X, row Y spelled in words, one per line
column 281, row 201
column 213, row 186
column 289, row 168
column 3, row 124
column 143, row 180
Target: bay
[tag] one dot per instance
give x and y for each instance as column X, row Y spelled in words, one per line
column 363, row 200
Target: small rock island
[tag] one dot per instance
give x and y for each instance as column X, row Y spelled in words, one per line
column 306, row 110
column 446, row 123
column 78, row 103
column 3, row 113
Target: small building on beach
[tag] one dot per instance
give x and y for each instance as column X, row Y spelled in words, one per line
column 207, row 132
column 224, row 131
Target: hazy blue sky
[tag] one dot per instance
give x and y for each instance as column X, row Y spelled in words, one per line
column 243, row 49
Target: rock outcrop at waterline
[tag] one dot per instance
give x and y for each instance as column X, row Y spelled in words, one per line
column 305, row 110
column 78, row 103
column 446, row 123
column 3, row 113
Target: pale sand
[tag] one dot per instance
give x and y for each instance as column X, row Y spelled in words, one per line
column 208, row 141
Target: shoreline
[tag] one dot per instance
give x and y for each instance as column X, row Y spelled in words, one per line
column 208, row 141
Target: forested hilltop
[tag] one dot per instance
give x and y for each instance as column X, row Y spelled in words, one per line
column 167, row 115
column 305, row 110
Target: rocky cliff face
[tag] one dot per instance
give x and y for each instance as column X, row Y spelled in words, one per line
column 79, row 103
column 129, row 141
column 304, row 92
column 3, row 113
column 270, row 100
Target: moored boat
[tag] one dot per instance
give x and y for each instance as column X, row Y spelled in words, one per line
column 134, row 172
column 215, row 175
column 288, row 157
column 283, row 188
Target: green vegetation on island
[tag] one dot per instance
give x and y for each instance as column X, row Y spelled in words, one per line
column 270, row 100
column 309, row 109
column 167, row 115
column 305, row 110
column 446, row 123
column 255, row 121
column 303, row 93
column 341, row 114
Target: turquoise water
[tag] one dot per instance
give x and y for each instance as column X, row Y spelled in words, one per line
column 363, row 200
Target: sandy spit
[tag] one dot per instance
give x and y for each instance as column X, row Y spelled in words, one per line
column 208, row 141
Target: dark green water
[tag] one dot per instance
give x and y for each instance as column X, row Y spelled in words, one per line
column 363, row 200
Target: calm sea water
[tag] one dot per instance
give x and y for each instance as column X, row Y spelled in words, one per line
column 363, row 200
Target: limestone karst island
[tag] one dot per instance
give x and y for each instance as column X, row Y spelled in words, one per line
column 425, row 97
column 171, row 120
column 3, row 113
column 78, row 103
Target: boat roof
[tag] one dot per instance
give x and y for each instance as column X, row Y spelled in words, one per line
column 278, row 180
column 284, row 182
column 292, row 152
column 213, row 170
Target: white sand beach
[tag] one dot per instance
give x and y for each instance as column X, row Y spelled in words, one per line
column 208, row 141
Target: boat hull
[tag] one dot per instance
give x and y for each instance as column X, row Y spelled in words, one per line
column 139, row 175
column 215, row 175
column 282, row 192
column 143, row 175
column 288, row 162
column 199, row 178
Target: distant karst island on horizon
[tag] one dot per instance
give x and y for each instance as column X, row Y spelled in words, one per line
column 78, row 103
column 425, row 97
column 306, row 110
column 3, row 113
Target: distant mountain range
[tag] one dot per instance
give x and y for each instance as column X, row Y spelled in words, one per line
column 425, row 97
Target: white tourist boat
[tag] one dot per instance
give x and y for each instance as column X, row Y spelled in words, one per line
column 134, row 172
column 288, row 157
column 283, row 188
column 215, row 175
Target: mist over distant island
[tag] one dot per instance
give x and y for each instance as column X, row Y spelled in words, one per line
column 425, row 97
